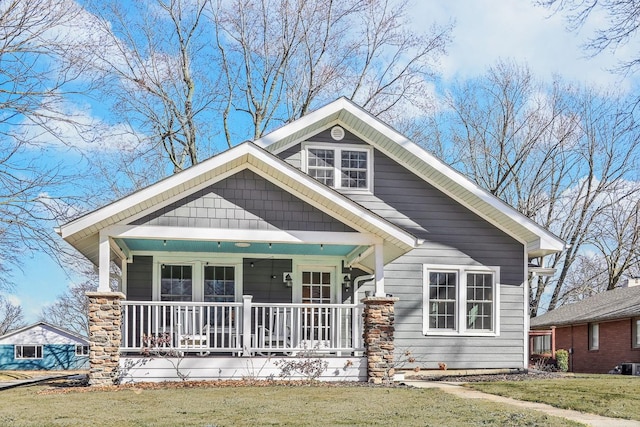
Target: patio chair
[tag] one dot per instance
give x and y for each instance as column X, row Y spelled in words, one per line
column 193, row 333
column 275, row 335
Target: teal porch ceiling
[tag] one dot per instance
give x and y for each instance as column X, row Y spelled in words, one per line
column 148, row 245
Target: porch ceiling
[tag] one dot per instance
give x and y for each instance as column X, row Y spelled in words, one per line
column 230, row 247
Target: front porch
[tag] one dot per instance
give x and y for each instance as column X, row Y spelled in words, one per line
column 246, row 328
column 162, row 341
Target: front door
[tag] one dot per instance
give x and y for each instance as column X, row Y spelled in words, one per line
column 317, row 289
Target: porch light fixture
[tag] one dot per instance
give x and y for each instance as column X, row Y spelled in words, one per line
column 321, row 246
column 287, row 278
column 218, row 245
column 164, row 242
column 346, row 282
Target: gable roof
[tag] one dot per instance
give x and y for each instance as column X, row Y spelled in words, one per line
column 383, row 137
column 56, row 329
column 83, row 232
column 619, row 303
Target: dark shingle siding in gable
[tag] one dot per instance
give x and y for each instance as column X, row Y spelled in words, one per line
column 617, row 303
column 243, row 201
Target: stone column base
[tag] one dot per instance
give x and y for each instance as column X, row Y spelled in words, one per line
column 378, row 332
column 105, row 336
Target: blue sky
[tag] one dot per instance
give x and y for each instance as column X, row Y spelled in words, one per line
column 484, row 33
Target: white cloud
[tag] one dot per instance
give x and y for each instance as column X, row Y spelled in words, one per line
column 13, row 299
column 65, row 124
column 487, row 30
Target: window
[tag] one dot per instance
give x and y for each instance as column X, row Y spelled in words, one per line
column 28, row 352
column 459, row 300
column 636, row 332
column 340, row 167
column 219, row 284
column 176, row 283
column 541, row 344
column 594, row 336
column 82, row 350
column 442, row 297
column 480, row 301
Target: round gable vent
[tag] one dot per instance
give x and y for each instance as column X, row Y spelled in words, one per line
column 337, row 133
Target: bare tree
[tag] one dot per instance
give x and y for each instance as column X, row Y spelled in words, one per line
column 71, row 309
column 11, row 316
column 33, row 80
column 617, row 238
column 559, row 154
column 153, row 60
column 619, row 22
column 279, row 59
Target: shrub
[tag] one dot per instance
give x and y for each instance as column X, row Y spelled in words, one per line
column 562, row 359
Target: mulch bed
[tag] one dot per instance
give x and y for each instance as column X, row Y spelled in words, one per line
column 63, row 386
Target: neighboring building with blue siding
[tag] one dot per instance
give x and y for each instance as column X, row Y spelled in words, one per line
column 42, row 346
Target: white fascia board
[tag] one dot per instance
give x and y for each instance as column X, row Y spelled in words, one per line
column 238, row 235
column 145, row 194
column 303, row 122
column 262, row 158
column 549, row 240
column 546, row 240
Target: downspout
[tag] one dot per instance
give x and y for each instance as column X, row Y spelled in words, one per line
column 359, row 281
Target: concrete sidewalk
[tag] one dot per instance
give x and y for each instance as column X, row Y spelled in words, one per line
column 581, row 417
column 4, row 385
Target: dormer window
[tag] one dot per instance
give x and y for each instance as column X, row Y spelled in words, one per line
column 343, row 167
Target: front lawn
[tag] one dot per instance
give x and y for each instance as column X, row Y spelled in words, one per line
column 253, row 405
column 615, row 396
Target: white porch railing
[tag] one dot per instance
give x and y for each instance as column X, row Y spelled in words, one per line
column 244, row 328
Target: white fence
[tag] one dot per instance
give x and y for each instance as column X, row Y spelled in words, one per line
column 244, row 328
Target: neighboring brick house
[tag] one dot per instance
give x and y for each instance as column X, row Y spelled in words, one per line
column 599, row 332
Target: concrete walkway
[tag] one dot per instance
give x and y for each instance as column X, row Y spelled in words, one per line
column 581, row 417
column 4, row 385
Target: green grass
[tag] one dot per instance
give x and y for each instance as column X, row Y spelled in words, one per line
column 609, row 395
column 261, row 406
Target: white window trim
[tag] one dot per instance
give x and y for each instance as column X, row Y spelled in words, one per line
column 461, row 298
column 338, row 148
column 15, row 352
column 197, row 263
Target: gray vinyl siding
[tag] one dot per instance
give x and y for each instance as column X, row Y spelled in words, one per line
column 264, row 279
column 139, row 278
column 453, row 235
column 243, row 201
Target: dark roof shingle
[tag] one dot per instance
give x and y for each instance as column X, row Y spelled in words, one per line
column 619, row 303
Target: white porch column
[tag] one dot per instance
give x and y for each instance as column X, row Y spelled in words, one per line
column 379, row 273
column 246, row 325
column 104, row 264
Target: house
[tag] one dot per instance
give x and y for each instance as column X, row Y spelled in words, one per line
column 600, row 332
column 333, row 235
column 42, row 346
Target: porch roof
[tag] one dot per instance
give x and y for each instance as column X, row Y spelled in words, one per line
column 113, row 220
column 538, row 240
